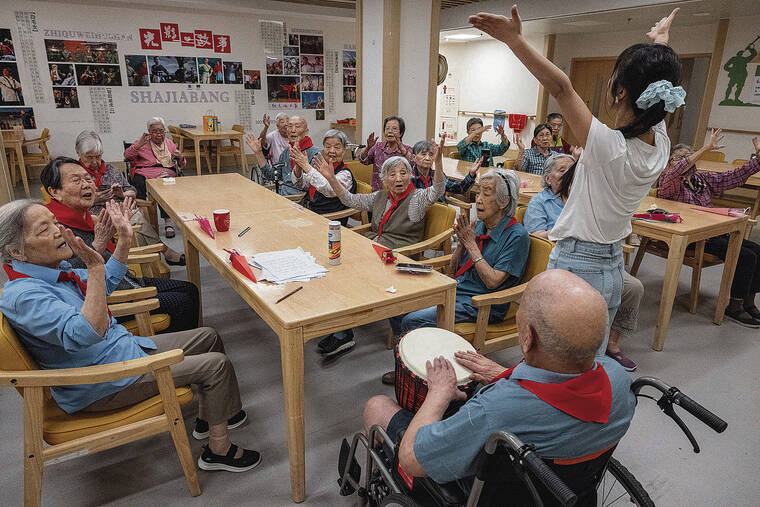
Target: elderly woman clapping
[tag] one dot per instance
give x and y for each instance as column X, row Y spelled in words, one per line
column 545, row 207
column 111, row 184
column 532, row 160
column 154, row 156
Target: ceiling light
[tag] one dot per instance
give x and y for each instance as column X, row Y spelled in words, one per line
column 462, row 36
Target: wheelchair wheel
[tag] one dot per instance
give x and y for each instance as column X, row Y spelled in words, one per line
column 618, row 485
column 398, row 500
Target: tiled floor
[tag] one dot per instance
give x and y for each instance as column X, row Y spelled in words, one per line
column 716, row 365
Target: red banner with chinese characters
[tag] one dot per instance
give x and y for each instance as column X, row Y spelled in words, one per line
column 170, row 32
column 221, row 43
column 187, row 39
column 150, row 38
column 203, row 39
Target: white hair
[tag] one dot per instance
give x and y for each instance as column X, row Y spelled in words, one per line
column 155, row 121
column 393, row 162
column 506, row 184
column 550, row 163
column 12, row 217
column 335, row 134
column 87, row 141
column 279, row 116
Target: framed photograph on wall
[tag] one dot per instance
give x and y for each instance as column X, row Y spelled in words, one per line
column 233, row 72
column 349, row 59
column 312, row 44
column 313, row 100
column 274, row 65
column 65, row 98
column 284, row 89
column 172, row 69
column 7, row 51
column 62, row 74
column 10, row 85
column 137, row 70
column 14, row 116
column 98, row 75
column 252, row 79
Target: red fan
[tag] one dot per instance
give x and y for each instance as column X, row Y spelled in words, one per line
column 205, row 225
column 386, row 255
column 517, row 121
column 240, row 263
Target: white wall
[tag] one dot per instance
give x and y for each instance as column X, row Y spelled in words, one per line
column 129, row 120
column 490, row 77
column 372, row 64
column 414, row 68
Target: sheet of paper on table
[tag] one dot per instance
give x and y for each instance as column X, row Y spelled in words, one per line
column 287, row 266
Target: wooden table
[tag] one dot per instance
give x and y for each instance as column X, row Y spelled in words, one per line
column 198, row 134
column 14, row 142
column 458, row 169
column 351, row 294
column 697, row 225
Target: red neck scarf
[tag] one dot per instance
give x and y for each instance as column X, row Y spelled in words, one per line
column 312, row 190
column 424, row 181
column 394, row 205
column 302, row 145
column 72, row 218
column 587, row 397
column 62, row 277
column 97, row 175
column 481, row 239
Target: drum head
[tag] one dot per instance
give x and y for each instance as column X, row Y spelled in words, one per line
column 426, row 343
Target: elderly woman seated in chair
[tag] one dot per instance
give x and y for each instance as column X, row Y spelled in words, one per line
column 72, row 190
column 61, row 316
column 320, row 197
column 111, row 184
column 398, row 215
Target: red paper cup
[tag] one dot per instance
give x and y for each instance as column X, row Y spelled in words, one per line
column 222, row 220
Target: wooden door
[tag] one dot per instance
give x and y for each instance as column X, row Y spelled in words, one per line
column 589, row 78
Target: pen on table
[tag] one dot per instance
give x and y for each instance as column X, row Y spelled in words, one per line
column 289, row 294
column 244, row 231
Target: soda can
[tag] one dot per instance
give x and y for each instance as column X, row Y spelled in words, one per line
column 333, row 242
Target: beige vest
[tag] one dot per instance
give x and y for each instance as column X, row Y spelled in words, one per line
column 398, row 230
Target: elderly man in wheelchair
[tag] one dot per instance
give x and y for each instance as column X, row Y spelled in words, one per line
column 572, row 406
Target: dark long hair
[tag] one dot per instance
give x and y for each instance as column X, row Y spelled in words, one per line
column 635, row 69
column 563, row 192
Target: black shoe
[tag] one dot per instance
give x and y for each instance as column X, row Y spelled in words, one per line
column 180, row 262
column 210, row 461
column 753, row 311
column 743, row 318
column 201, row 430
column 333, row 345
column 389, row 379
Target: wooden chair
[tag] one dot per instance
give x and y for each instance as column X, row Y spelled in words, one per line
column 360, row 216
column 360, row 171
column 520, row 213
column 88, row 432
column 147, row 206
column 229, row 149
column 713, row 156
column 738, row 162
column 186, row 148
column 487, row 338
column 30, row 158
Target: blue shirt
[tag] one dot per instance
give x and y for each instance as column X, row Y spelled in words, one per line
column 452, row 186
column 506, row 250
column 543, row 211
column 471, row 152
column 533, row 161
column 46, row 315
column 286, row 171
column 445, row 454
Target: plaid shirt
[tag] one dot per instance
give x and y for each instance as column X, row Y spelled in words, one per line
column 533, row 161
column 673, row 185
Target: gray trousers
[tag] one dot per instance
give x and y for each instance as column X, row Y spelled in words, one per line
column 147, row 235
column 205, row 365
column 627, row 314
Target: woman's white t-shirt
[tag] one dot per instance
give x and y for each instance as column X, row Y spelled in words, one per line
column 611, row 178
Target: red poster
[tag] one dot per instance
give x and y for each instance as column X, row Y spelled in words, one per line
column 187, row 39
column 150, row 38
column 222, row 43
column 170, row 32
column 203, row 39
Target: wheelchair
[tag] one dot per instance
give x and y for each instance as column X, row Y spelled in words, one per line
column 508, row 471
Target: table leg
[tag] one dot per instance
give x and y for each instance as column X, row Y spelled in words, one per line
column 445, row 312
column 198, row 157
column 218, row 154
column 291, row 355
column 193, row 266
column 244, row 164
column 22, row 169
column 669, row 286
column 729, row 268
column 753, row 213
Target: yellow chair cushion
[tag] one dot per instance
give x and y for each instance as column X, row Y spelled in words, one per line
column 520, row 213
column 160, row 321
column 13, row 355
column 360, row 171
column 59, row 427
column 508, row 326
column 438, row 218
column 163, row 270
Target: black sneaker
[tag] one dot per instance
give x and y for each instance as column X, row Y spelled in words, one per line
column 753, row 311
column 201, row 430
column 210, row 461
column 333, row 345
column 743, row 318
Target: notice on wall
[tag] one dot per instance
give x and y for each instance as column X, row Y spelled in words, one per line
column 331, row 68
column 244, row 99
column 272, row 35
column 101, row 99
column 26, row 23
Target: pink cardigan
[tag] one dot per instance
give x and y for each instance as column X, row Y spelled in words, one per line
column 143, row 160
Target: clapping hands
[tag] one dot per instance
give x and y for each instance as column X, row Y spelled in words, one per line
column 90, row 257
column 300, row 159
column 253, row 142
column 465, row 231
column 324, row 168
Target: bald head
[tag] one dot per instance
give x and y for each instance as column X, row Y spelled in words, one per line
column 566, row 319
column 297, row 128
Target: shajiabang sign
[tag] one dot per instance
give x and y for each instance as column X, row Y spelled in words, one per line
column 178, row 97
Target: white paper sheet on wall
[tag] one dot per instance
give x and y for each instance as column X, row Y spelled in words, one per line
column 272, row 35
column 102, row 108
column 26, row 23
column 331, row 68
column 244, row 100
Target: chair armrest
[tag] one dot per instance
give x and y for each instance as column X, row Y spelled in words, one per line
column 426, row 244
column 27, row 142
column 145, row 203
column 134, row 307
column 629, row 249
column 91, row 374
column 361, row 229
column 337, row 215
column 124, row 296
column 296, row 197
column 143, row 258
column 439, row 262
column 511, row 295
column 458, row 203
column 147, row 249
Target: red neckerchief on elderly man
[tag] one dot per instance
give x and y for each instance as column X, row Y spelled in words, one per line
column 394, row 205
column 62, row 277
column 98, row 175
column 72, row 218
column 312, row 190
column 302, row 145
column 481, row 239
column 587, row 397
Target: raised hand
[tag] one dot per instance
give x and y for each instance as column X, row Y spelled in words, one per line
column 143, row 139
column 325, row 168
column 253, row 143
column 266, row 120
column 483, row 369
column 465, row 231
column 500, row 130
column 119, row 221
column 128, row 207
column 442, row 380
column 103, row 195
column 104, row 229
column 90, row 257
column 518, row 141
column 756, row 143
column 716, row 140
column 576, row 152
column 485, row 129
column 438, row 148
column 475, row 166
column 499, row 27
column 371, row 140
column 299, row 158
column 659, row 33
